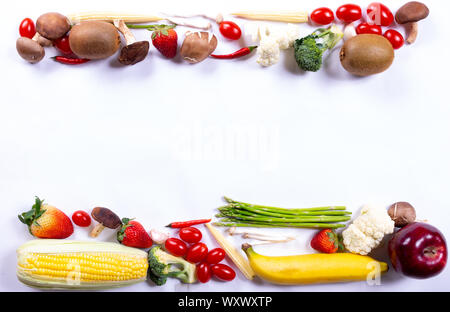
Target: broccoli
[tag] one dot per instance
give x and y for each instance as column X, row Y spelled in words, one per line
column 163, row 265
column 309, row 50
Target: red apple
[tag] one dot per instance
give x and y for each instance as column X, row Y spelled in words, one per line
column 418, row 250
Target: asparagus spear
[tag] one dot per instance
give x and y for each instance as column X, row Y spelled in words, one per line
column 238, row 213
column 278, row 225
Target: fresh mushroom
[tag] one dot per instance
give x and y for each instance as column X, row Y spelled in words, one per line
column 52, row 25
column 409, row 15
column 105, row 218
column 134, row 51
column 30, row 49
column 44, row 42
column 197, row 46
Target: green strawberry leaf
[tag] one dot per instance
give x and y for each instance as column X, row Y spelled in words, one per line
column 31, row 217
column 341, row 246
column 121, row 233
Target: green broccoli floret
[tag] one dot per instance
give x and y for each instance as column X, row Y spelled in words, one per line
column 163, row 265
column 309, row 50
column 158, row 280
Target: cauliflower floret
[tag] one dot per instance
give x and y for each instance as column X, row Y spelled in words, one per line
column 272, row 39
column 287, row 35
column 367, row 231
column 268, row 51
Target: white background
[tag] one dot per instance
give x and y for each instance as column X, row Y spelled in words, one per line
column 163, row 140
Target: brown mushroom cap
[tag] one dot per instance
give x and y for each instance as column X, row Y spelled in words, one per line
column 134, row 53
column 412, row 12
column 30, row 50
column 106, row 217
column 52, row 25
column 197, row 46
column 402, row 213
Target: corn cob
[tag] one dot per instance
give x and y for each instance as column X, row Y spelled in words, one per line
column 287, row 16
column 53, row 263
column 111, row 16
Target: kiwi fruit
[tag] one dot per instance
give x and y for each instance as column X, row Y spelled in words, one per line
column 94, row 39
column 367, row 54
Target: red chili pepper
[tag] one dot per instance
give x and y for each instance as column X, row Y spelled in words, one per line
column 179, row 225
column 69, row 60
column 238, row 53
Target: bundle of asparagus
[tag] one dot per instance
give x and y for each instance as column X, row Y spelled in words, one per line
column 242, row 214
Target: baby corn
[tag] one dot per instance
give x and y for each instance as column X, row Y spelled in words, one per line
column 111, row 16
column 53, row 263
column 287, row 16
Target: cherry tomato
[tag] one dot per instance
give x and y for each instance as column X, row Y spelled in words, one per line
column 215, row 256
column 175, row 246
column 190, row 235
column 365, row 28
column 223, row 271
column 322, row 16
column 81, row 218
column 27, row 28
column 62, row 44
column 380, row 14
column 230, row 30
column 395, row 38
column 203, row 272
column 349, row 13
column 197, row 253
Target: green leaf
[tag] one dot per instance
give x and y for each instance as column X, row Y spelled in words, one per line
column 121, row 233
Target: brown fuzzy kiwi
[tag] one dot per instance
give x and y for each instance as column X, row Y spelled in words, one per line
column 367, row 54
column 94, row 40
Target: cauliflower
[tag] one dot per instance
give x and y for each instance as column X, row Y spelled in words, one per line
column 287, row 35
column 271, row 40
column 268, row 51
column 367, row 231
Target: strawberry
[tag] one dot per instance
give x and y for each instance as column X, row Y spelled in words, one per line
column 133, row 234
column 164, row 38
column 326, row 241
column 45, row 221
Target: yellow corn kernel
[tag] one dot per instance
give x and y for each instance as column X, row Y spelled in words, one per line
column 72, row 264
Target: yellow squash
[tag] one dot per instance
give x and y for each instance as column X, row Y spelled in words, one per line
column 314, row 268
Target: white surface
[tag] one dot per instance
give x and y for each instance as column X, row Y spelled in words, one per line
column 164, row 140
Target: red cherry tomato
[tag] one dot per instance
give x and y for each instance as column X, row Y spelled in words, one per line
column 230, row 30
column 215, row 256
column 175, row 246
column 322, row 16
column 81, row 218
column 62, row 44
column 223, row 271
column 27, row 28
column 190, row 235
column 197, row 253
column 395, row 38
column 203, row 272
column 379, row 14
column 349, row 13
column 365, row 28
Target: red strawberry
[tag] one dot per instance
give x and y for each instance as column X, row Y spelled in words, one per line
column 326, row 241
column 164, row 39
column 133, row 234
column 45, row 221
